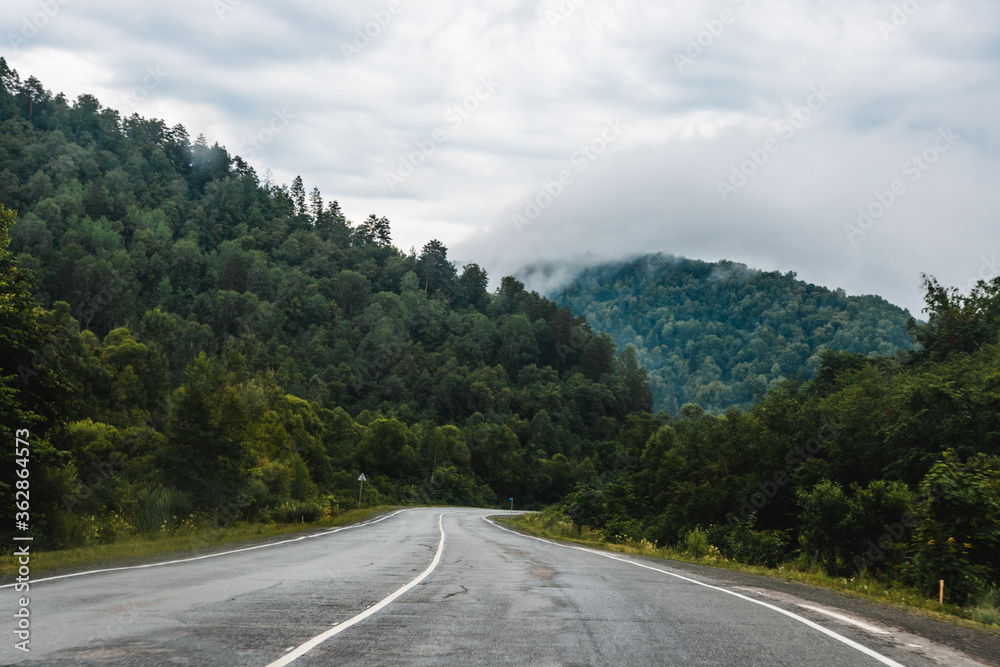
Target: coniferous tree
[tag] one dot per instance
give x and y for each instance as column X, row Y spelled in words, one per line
column 376, row 230
column 316, row 205
column 299, row 196
column 436, row 272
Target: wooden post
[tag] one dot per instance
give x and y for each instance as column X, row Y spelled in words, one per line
column 941, row 591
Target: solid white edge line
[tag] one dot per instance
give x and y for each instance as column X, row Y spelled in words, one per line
column 867, row 627
column 805, row 621
column 340, row 627
column 221, row 553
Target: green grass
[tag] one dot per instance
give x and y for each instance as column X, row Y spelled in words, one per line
column 187, row 540
column 985, row 615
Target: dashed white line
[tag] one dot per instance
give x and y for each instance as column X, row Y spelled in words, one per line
column 805, row 621
column 340, row 627
column 216, row 555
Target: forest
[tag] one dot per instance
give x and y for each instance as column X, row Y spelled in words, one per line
column 184, row 339
column 882, row 466
column 187, row 341
column 718, row 334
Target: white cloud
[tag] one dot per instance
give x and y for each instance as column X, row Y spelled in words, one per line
column 558, row 83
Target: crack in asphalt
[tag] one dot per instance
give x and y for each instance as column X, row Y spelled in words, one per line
column 464, row 590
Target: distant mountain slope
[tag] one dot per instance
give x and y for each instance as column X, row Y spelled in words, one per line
column 715, row 333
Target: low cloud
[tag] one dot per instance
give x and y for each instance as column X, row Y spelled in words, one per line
column 564, row 69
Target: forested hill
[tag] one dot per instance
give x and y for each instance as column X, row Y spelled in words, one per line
column 182, row 337
column 714, row 334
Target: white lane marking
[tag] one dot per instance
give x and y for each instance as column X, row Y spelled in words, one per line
column 867, row 627
column 340, row 627
column 221, row 553
column 805, row 621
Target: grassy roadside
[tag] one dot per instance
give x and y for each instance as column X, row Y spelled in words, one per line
column 190, row 541
column 864, row 587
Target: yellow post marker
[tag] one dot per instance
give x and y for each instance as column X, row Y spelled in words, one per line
column 940, row 591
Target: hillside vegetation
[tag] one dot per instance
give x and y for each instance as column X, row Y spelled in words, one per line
column 717, row 334
column 885, row 467
column 191, row 345
column 187, row 341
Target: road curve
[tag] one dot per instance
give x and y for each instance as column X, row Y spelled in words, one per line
column 425, row 587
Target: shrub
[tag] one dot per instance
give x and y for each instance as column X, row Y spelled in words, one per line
column 159, row 507
column 957, row 532
column 696, row 544
column 753, row 547
column 108, row 528
column 296, row 512
column 620, row 528
column 825, row 509
column 987, row 609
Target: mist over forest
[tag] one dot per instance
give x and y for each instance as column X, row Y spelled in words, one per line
column 188, row 340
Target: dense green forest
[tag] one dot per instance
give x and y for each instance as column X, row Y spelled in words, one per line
column 189, row 343
column 717, row 334
column 182, row 338
column 888, row 466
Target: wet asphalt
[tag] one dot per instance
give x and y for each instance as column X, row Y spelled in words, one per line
column 495, row 597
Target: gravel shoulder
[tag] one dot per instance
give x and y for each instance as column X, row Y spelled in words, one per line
column 958, row 634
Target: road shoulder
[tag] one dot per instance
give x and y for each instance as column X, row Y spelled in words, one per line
column 904, row 623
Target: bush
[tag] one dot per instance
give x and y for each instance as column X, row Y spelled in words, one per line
column 620, row 529
column 957, row 533
column 108, row 528
column 987, row 610
column 586, row 506
column 450, row 487
column 768, row 548
column 159, row 507
column 696, row 544
column 553, row 523
column 296, row 512
column 876, row 525
column 825, row 510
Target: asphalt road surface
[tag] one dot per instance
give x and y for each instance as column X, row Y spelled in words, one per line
column 433, row 587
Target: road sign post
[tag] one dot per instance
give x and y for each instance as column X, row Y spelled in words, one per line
column 362, row 480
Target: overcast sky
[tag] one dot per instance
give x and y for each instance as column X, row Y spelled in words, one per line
column 519, row 132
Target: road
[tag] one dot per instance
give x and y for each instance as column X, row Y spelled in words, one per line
column 481, row 595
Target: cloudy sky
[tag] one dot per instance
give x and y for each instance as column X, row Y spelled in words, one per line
column 853, row 142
